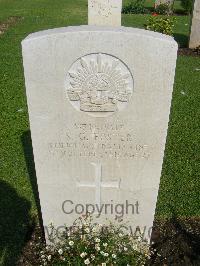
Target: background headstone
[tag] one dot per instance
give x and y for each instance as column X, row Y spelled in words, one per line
column 104, row 12
column 168, row 2
column 99, row 115
column 195, row 29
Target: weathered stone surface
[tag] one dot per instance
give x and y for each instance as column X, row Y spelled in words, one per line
column 104, row 12
column 99, row 115
column 169, row 2
column 195, row 29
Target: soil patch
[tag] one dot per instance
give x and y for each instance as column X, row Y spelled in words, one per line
column 189, row 52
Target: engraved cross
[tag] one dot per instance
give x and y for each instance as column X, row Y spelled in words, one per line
column 98, row 184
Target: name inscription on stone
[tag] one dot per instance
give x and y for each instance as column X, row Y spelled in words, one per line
column 107, row 141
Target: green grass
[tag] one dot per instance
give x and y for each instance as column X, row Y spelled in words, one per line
column 179, row 191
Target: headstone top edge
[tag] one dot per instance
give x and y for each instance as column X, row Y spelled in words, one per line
column 85, row 28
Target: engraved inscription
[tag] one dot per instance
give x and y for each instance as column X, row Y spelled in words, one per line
column 94, row 141
column 99, row 84
column 104, row 9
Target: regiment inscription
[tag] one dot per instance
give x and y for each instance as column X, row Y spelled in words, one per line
column 90, row 140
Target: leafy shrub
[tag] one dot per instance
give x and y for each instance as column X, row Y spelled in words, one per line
column 163, row 25
column 187, row 5
column 163, row 9
column 92, row 244
column 135, row 7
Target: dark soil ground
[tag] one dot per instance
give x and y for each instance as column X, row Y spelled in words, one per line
column 189, row 52
column 176, row 242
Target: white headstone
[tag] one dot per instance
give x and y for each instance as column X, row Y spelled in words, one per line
column 99, row 115
column 104, row 12
column 168, row 2
column 195, row 29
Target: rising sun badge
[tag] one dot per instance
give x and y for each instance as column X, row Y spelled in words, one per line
column 99, row 83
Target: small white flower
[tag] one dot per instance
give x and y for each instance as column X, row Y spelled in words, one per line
column 60, row 251
column 43, row 256
column 114, row 256
column 49, row 257
column 125, row 249
column 105, row 244
column 135, row 246
column 120, row 234
column 87, row 230
column 85, row 224
column 106, row 254
column 97, row 240
column 102, row 253
column 87, row 261
column 103, row 264
column 93, row 229
column 92, row 257
column 71, row 243
column 97, row 247
column 83, row 254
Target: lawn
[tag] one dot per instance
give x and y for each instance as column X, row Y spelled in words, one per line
column 180, row 185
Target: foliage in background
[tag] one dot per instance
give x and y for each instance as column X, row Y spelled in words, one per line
column 163, row 9
column 87, row 243
column 188, row 5
column 135, row 7
column 163, row 25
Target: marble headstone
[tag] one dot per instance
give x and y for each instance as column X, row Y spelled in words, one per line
column 99, row 115
column 104, row 12
column 195, row 29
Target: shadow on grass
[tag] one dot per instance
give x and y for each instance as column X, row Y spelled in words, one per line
column 15, row 224
column 182, row 40
column 28, row 153
column 177, row 241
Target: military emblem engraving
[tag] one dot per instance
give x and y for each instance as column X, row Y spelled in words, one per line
column 99, row 84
